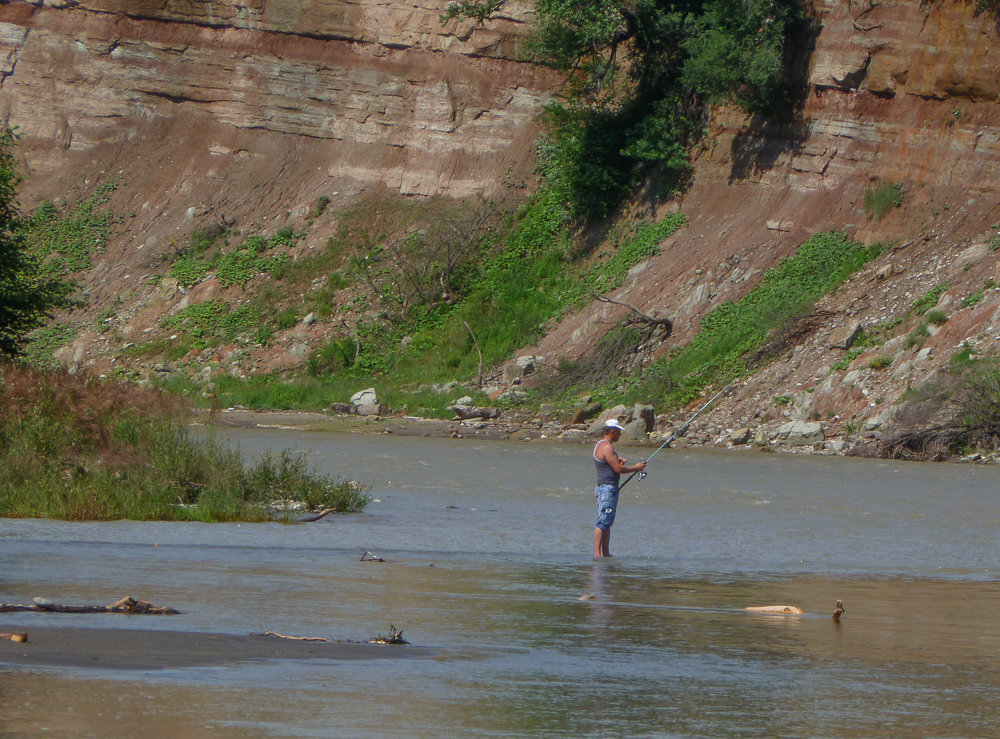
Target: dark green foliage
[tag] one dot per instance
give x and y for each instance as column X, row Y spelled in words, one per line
column 640, row 76
column 27, row 293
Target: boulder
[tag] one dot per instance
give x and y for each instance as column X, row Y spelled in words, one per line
column 845, row 336
column 465, row 412
column 364, row 397
column 799, row 433
column 371, row 409
column 646, row 414
column 635, row 430
column 740, row 436
column 586, row 412
column 529, row 363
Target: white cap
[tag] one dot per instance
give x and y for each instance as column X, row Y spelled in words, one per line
column 612, row 423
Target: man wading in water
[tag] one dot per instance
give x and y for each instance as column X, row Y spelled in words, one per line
column 609, row 469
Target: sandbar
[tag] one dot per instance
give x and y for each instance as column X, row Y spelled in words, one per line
column 139, row 649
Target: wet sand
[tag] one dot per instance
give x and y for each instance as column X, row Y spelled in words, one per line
column 137, row 649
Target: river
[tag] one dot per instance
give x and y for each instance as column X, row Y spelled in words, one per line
column 488, row 569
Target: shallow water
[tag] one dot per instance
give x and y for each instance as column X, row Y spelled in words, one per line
column 488, row 553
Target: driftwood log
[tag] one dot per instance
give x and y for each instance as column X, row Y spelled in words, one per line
column 778, row 610
column 467, row 412
column 128, row 604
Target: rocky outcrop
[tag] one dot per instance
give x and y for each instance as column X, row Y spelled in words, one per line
column 356, row 95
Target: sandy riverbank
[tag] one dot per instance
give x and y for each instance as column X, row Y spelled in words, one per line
column 516, row 430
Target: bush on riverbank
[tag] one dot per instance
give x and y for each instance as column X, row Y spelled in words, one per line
column 83, row 449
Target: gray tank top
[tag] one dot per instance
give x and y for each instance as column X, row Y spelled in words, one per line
column 605, row 474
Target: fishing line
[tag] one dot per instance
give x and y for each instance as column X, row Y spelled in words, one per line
column 678, row 432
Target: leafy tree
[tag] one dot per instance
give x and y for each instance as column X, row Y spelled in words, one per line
column 26, row 298
column 640, row 74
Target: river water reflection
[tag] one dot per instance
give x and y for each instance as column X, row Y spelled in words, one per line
column 488, row 554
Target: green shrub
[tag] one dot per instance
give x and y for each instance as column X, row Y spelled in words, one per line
column 880, row 362
column 936, row 317
column 882, row 199
column 917, row 336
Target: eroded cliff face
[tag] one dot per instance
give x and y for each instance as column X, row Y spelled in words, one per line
column 237, row 111
column 204, row 92
column 900, row 92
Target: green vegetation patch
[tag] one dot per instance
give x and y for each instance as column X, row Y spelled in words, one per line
column 43, row 342
column 82, row 449
column 733, row 329
column 880, row 200
column 643, row 244
column 235, row 267
column 929, row 300
column 64, row 242
column 203, row 325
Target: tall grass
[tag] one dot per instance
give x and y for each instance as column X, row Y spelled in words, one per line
column 83, row 449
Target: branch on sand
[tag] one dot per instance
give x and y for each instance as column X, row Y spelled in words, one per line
column 293, row 638
column 128, row 605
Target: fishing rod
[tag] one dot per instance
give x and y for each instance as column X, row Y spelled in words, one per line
column 678, row 432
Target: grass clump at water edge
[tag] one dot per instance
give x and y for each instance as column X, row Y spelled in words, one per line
column 82, row 449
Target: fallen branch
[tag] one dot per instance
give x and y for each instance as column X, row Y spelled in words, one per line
column 395, row 637
column 318, row 516
column 294, row 638
column 128, row 605
column 371, row 557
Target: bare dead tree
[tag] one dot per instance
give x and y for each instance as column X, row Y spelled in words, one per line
column 651, row 324
column 946, row 419
column 475, row 341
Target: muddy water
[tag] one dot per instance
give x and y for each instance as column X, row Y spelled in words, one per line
column 488, row 553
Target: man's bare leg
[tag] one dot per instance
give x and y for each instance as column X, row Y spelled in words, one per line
column 602, row 539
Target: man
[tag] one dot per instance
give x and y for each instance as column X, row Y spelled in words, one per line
column 609, row 469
